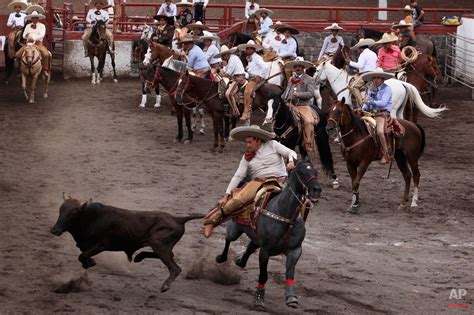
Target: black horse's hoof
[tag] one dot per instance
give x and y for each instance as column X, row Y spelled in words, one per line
column 88, row 263
column 220, row 259
column 240, row 262
column 291, row 299
column 165, row 287
column 138, row 258
column 260, row 299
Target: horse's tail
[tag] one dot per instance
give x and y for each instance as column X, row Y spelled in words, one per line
column 414, row 96
column 423, row 138
column 322, row 142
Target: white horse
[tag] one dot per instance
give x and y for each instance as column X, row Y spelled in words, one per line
column 401, row 91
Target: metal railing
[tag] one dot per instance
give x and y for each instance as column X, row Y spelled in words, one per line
column 459, row 64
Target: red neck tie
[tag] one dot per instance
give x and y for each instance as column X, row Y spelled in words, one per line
column 249, row 155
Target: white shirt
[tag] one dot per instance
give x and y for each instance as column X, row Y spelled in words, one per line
column 168, row 11
column 37, row 34
column 14, row 21
column 248, row 10
column 329, row 47
column 92, row 17
column 367, row 61
column 257, row 67
column 288, row 49
column 265, row 26
column 210, row 52
column 204, row 2
column 273, row 39
column 234, row 66
column 111, row 4
column 267, row 162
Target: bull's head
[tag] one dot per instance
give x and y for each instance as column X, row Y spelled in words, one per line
column 67, row 212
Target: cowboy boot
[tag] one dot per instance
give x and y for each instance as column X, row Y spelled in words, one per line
column 386, row 156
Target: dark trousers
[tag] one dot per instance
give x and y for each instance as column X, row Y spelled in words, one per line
column 199, row 12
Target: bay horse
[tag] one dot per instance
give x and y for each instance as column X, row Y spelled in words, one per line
column 31, row 67
column 139, row 49
column 278, row 230
column 97, row 46
column 359, row 149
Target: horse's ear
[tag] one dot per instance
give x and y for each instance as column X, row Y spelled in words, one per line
column 343, row 100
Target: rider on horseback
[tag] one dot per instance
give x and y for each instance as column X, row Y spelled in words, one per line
column 288, row 47
column 211, row 50
column 331, row 43
column 379, row 101
column 263, row 160
column 257, row 70
column 273, row 39
column 93, row 16
column 265, row 21
column 299, row 95
column 185, row 16
column 367, row 62
column 16, row 21
column 163, row 33
column 197, row 60
column 389, row 54
column 406, row 33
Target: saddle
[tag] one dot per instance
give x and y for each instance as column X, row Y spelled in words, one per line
column 393, row 129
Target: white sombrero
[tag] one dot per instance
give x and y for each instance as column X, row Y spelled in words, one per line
column 402, row 23
column 387, row 38
column 240, row 133
column 13, row 4
column 333, row 27
column 103, row 2
column 184, row 3
column 299, row 61
column 35, row 14
column 408, row 8
column 364, row 42
column 263, row 10
column 212, row 38
column 198, row 24
column 377, row 73
column 225, row 50
column 250, row 44
column 277, row 24
column 34, row 7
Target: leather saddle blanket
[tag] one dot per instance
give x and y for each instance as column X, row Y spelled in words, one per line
column 298, row 119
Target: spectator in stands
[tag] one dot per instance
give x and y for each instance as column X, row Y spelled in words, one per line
column 96, row 14
column 185, row 16
column 418, row 13
column 331, row 43
column 408, row 14
column 389, row 54
column 367, row 62
column 210, row 49
column 167, row 8
column 250, row 7
column 265, row 21
column 199, row 9
column 273, row 39
column 197, row 60
column 250, row 25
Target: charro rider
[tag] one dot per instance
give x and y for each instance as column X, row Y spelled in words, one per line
column 210, row 49
column 34, row 32
column 265, row 21
column 299, row 94
column 93, row 16
column 257, row 70
column 389, row 54
column 197, row 59
column 288, row 47
column 273, row 39
column 379, row 100
column 367, row 62
column 185, row 16
column 235, row 71
column 164, row 31
column 331, row 43
column 263, row 160
column 16, row 21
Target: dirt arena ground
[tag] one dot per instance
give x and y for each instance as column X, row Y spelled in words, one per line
column 93, row 142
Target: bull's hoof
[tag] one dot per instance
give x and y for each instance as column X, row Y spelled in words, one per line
column 220, row 259
column 165, row 287
column 241, row 263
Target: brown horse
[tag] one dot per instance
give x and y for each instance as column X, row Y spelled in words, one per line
column 423, row 74
column 98, row 47
column 359, row 149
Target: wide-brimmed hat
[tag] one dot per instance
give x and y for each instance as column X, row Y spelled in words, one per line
column 407, row 8
column 277, row 24
column 188, row 38
column 240, row 133
column 377, row 73
column 263, row 10
column 225, row 50
column 364, row 42
column 198, row 24
column 299, row 61
column 13, row 4
column 34, row 7
column 103, row 2
column 284, row 28
column 212, row 38
column 333, row 27
column 402, row 23
column 184, row 3
column 250, row 44
column 169, row 19
column 35, row 14
column 387, row 38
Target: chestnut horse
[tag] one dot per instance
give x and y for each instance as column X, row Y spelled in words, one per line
column 359, row 149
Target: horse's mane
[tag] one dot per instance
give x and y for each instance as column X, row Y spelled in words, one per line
column 338, row 60
column 356, row 120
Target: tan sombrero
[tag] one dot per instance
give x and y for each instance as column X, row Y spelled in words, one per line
column 198, row 24
column 263, row 10
column 377, row 73
column 407, row 8
column 284, row 28
column 184, row 3
column 225, row 50
column 35, row 14
column 402, row 23
column 277, row 24
column 387, row 38
column 364, row 42
column 240, row 133
column 212, row 38
column 13, row 4
column 188, row 38
column 250, row 44
column 333, row 27
column 299, row 61
column 104, row 2
column 34, row 7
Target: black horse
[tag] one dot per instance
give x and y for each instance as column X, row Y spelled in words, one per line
column 282, row 231
column 237, row 38
column 97, row 46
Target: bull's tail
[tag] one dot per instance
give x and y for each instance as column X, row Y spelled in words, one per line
column 183, row 220
column 414, row 96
